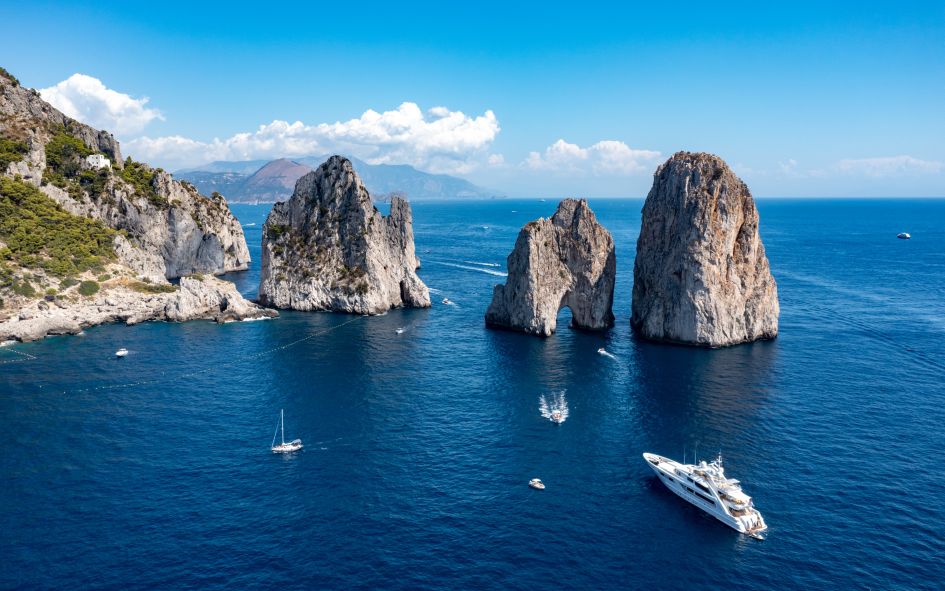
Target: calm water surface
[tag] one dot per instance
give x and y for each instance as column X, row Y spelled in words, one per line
column 155, row 470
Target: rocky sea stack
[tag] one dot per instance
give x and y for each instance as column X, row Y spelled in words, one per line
column 701, row 276
column 565, row 261
column 329, row 248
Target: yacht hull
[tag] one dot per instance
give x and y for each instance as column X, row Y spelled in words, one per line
column 673, row 475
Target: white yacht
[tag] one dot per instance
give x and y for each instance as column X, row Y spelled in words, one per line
column 904, row 235
column 536, row 483
column 121, row 352
column 705, row 486
column 283, row 448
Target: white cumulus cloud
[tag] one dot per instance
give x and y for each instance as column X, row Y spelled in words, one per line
column 889, row 166
column 439, row 140
column 85, row 98
column 604, row 157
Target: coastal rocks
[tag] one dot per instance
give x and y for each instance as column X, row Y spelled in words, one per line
column 565, row 261
column 701, row 276
column 210, row 298
column 197, row 298
column 329, row 248
column 190, row 233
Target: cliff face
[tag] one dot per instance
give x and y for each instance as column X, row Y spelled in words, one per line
column 567, row 260
column 82, row 244
column 701, row 276
column 188, row 233
column 328, row 248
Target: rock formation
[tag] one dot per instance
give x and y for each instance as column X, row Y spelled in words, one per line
column 567, row 260
column 129, row 302
column 82, row 244
column 328, row 248
column 190, row 233
column 701, row 276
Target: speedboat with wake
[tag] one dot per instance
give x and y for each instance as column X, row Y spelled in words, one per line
column 554, row 407
column 447, row 301
column 283, row 448
column 706, row 486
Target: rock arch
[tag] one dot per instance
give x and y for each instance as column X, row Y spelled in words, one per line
column 565, row 261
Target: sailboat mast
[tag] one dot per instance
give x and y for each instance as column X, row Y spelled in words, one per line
column 282, row 420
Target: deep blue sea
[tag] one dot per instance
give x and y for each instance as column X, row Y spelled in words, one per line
column 154, row 471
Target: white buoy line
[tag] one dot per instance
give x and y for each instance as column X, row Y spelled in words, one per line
column 23, row 356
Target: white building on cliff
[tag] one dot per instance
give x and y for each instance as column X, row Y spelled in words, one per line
column 98, row 161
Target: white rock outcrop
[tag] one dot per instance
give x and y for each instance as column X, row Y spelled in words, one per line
column 565, row 261
column 701, row 276
column 329, row 248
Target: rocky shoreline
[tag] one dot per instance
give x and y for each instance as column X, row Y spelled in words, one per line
column 196, row 298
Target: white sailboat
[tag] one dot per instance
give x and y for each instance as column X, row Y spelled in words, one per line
column 282, row 448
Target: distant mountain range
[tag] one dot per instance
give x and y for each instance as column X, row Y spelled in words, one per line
column 251, row 181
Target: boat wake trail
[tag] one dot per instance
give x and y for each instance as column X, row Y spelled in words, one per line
column 481, row 264
column 606, row 353
column 433, row 290
column 471, row 268
column 554, row 407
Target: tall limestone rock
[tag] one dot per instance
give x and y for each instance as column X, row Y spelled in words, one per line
column 329, row 248
column 169, row 229
column 567, row 260
column 701, row 276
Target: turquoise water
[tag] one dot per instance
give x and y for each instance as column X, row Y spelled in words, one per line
column 154, row 471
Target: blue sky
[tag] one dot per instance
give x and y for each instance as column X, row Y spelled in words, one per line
column 540, row 100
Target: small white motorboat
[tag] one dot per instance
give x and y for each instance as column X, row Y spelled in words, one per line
column 282, row 448
column 557, row 417
column 536, row 483
column 904, row 235
column 121, row 352
column 447, row 301
column 400, row 330
column 602, row 351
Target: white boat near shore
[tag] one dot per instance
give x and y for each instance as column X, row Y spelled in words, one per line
column 705, row 486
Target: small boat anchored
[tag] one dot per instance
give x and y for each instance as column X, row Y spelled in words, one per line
column 705, row 486
column 121, row 352
column 904, row 235
column 536, row 483
column 283, row 448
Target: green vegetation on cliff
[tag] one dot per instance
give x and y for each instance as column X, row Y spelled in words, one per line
column 9, row 76
column 141, row 177
column 39, row 233
column 11, row 151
